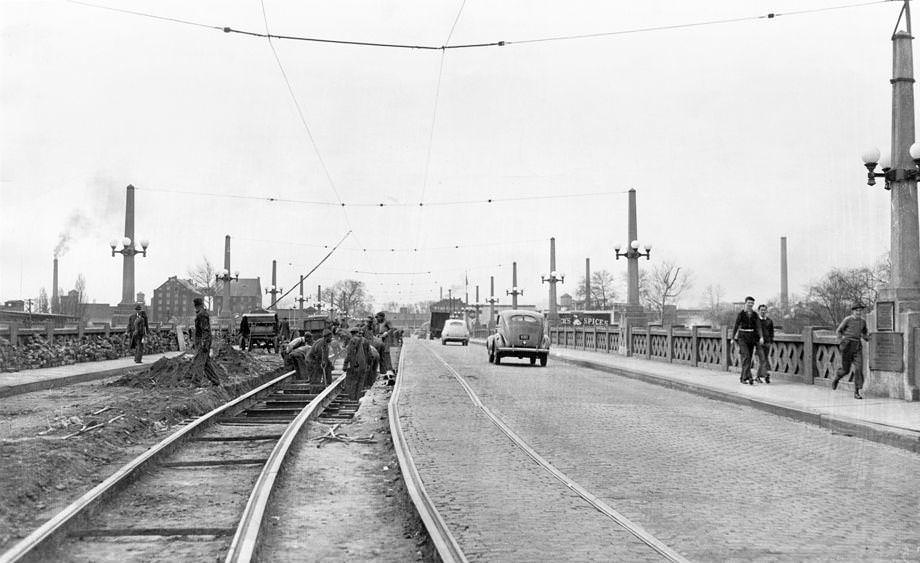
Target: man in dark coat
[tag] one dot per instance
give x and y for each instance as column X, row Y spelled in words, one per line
column 763, row 350
column 851, row 332
column 202, row 343
column 137, row 328
column 357, row 363
column 386, row 333
column 319, row 368
column 747, row 334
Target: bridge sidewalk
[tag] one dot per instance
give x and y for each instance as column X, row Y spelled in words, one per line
column 889, row 421
column 26, row 381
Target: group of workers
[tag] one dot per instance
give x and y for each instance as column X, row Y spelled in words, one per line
column 366, row 349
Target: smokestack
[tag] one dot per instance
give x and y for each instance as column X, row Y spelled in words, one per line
column 55, row 298
column 783, row 276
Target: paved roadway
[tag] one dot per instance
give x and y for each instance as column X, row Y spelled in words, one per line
column 709, row 479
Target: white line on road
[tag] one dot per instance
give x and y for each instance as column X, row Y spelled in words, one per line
column 597, row 503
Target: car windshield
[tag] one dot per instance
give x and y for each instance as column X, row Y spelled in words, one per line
column 516, row 319
column 455, row 323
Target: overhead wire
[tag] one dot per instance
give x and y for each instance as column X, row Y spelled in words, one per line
column 303, row 119
column 503, row 43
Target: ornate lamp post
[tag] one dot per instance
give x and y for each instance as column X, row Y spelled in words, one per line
column 553, row 278
column 128, row 251
column 515, row 290
column 492, row 301
column 225, row 277
column 901, row 298
column 301, row 300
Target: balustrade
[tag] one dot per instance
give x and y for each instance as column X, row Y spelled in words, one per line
column 790, row 355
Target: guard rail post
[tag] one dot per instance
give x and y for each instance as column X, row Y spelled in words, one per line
column 808, row 354
column 725, row 360
column 694, row 346
column 670, row 344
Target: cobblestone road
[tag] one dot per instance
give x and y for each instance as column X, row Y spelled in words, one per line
column 712, row 480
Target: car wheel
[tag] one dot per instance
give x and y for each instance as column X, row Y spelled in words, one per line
column 543, row 359
column 498, row 358
column 533, row 361
column 491, row 357
column 466, row 342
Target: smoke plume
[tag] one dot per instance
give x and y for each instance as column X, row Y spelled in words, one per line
column 76, row 225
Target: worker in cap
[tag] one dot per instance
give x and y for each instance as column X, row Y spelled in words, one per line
column 137, row 331
column 318, row 366
column 851, row 332
column 387, row 334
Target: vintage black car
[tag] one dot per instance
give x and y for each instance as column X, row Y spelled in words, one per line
column 519, row 334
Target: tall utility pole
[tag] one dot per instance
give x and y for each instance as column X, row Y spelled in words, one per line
column 632, row 263
column 633, row 310
column 587, row 284
column 552, row 279
column 127, row 269
column 274, row 290
column 227, row 309
column 492, row 301
column 301, row 300
column 515, row 290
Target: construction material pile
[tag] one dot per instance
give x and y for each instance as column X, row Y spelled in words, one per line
column 34, row 351
column 192, row 370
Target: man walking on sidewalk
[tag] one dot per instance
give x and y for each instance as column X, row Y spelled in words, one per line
column 137, row 328
column 747, row 326
column 763, row 350
column 852, row 331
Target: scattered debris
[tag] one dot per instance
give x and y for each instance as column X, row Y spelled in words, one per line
column 331, row 436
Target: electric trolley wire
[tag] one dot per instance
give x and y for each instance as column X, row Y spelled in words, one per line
column 320, row 263
column 444, row 47
column 478, row 201
column 300, row 113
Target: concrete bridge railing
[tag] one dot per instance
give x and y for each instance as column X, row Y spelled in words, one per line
column 807, row 358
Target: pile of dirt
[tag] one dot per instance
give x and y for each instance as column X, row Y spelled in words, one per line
column 192, row 371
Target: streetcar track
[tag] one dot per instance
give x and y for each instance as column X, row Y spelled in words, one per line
column 134, row 503
column 444, row 541
column 635, row 529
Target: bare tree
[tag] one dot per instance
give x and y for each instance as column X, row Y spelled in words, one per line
column 79, row 305
column 717, row 312
column 203, row 278
column 831, row 297
column 603, row 292
column 664, row 285
column 42, row 302
column 348, row 296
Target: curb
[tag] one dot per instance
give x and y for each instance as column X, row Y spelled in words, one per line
column 901, row 438
column 46, row 384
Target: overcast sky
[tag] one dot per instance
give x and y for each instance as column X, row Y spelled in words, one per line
column 733, row 135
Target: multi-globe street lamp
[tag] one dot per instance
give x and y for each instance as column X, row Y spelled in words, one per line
column 872, row 157
column 633, row 252
column 128, row 251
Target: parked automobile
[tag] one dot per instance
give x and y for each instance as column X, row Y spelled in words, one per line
column 455, row 331
column 519, row 334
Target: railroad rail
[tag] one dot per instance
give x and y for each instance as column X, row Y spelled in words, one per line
column 447, row 546
column 149, row 510
column 444, row 542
